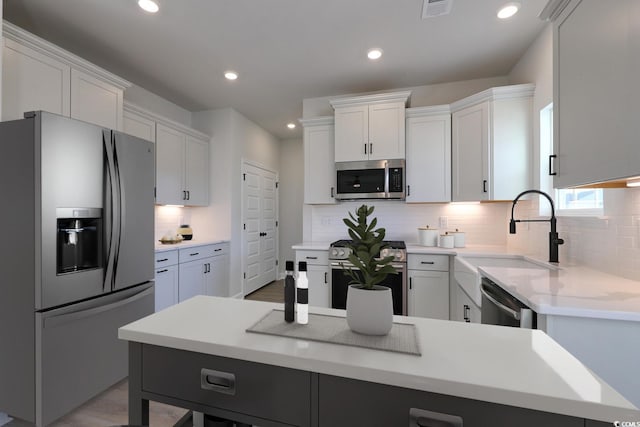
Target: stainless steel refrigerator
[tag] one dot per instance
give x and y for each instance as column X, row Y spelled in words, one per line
column 76, row 260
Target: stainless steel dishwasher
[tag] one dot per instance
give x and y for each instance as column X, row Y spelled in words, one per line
column 499, row 307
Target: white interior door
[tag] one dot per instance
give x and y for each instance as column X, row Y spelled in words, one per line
column 259, row 227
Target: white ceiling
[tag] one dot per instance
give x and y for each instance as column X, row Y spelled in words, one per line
column 283, row 50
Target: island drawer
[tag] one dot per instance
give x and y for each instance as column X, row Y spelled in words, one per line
column 312, row 257
column 197, row 252
column 263, row 391
column 428, row 262
column 166, row 258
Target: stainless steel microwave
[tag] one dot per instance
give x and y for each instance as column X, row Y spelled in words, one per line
column 374, row 179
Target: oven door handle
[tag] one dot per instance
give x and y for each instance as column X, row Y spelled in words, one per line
column 347, row 264
column 513, row 313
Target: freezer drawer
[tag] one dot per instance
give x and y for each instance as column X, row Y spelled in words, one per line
column 80, row 354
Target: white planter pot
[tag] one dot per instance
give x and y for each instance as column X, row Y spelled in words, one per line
column 370, row 312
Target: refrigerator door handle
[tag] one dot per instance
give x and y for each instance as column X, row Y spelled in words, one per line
column 120, row 211
column 111, row 212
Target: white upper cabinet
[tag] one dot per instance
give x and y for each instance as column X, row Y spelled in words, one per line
column 138, row 124
column 95, row 101
column 428, row 154
column 33, row 81
column 182, row 167
column 596, row 91
column 491, row 144
column 38, row 75
column 319, row 163
column 370, row 127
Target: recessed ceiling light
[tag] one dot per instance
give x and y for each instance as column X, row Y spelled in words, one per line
column 231, row 75
column 148, row 6
column 508, row 10
column 291, row 125
column 374, row 53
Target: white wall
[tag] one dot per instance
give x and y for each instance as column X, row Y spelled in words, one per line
column 291, row 198
column 234, row 139
column 610, row 243
column 157, row 104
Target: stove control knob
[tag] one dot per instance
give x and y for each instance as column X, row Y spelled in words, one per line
column 341, row 253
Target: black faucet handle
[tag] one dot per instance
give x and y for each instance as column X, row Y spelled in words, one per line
column 559, row 241
column 512, row 227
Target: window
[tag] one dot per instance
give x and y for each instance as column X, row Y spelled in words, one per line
column 569, row 202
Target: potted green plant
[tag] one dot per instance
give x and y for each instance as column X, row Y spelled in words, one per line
column 369, row 304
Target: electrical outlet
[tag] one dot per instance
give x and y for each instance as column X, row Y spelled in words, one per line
column 444, row 222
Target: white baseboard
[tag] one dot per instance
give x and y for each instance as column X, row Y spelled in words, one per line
column 237, row 296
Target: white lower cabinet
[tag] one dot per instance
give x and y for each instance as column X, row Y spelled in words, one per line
column 186, row 272
column 318, row 276
column 462, row 308
column 428, row 286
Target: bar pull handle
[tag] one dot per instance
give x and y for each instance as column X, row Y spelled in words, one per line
column 311, row 257
column 332, row 192
column 408, row 190
column 162, row 271
column 427, row 262
column 218, row 381
column 194, row 254
column 465, row 311
column 365, row 148
column 217, row 250
column 162, row 260
column 551, row 157
column 370, row 148
column 188, row 195
column 424, row 418
column 410, row 283
column 325, row 278
column 484, row 186
column 184, row 195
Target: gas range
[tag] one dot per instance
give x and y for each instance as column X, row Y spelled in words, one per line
column 340, row 250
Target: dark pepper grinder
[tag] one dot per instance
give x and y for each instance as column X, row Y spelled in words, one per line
column 289, row 293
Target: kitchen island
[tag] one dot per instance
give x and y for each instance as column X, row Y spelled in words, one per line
column 198, row 355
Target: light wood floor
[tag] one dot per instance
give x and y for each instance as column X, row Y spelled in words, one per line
column 273, row 292
column 112, row 408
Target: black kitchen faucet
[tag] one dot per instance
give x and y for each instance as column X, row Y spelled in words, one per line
column 554, row 241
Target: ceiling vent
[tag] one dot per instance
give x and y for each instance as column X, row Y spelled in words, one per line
column 433, row 8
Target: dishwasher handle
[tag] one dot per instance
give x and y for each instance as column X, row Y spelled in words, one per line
column 511, row 312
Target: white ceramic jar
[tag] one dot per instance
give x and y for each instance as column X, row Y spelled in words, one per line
column 428, row 236
column 446, row 241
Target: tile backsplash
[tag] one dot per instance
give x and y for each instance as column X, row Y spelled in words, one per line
column 483, row 223
column 609, row 243
column 169, row 218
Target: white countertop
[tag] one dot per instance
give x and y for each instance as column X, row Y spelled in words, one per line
column 160, row 247
column 511, row 366
column 570, row 291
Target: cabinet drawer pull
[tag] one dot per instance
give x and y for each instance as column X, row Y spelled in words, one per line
column 217, row 250
column 218, row 381
column 311, row 257
column 552, row 171
column 194, row 254
column 424, row 418
column 332, row 192
column 428, row 262
column 162, row 260
column 162, row 271
column 484, row 186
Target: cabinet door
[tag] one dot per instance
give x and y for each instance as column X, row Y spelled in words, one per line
column 166, row 291
column 351, row 133
column 33, row 81
column 169, row 166
column 218, row 276
column 470, row 311
column 137, row 125
column 596, row 92
column 318, row 276
column 95, row 101
column 429, row 159
column 319, row 165
column 470, row 157
column 197, row 172
column 386, row 131
column 429, row 294
column 192, row 279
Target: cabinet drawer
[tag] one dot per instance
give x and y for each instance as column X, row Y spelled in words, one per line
column 428, row 262
column 197, row 252
column 166, row 258
column 313, row 257
column 264, row 391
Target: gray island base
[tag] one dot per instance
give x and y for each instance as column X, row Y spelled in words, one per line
column 197, row 355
